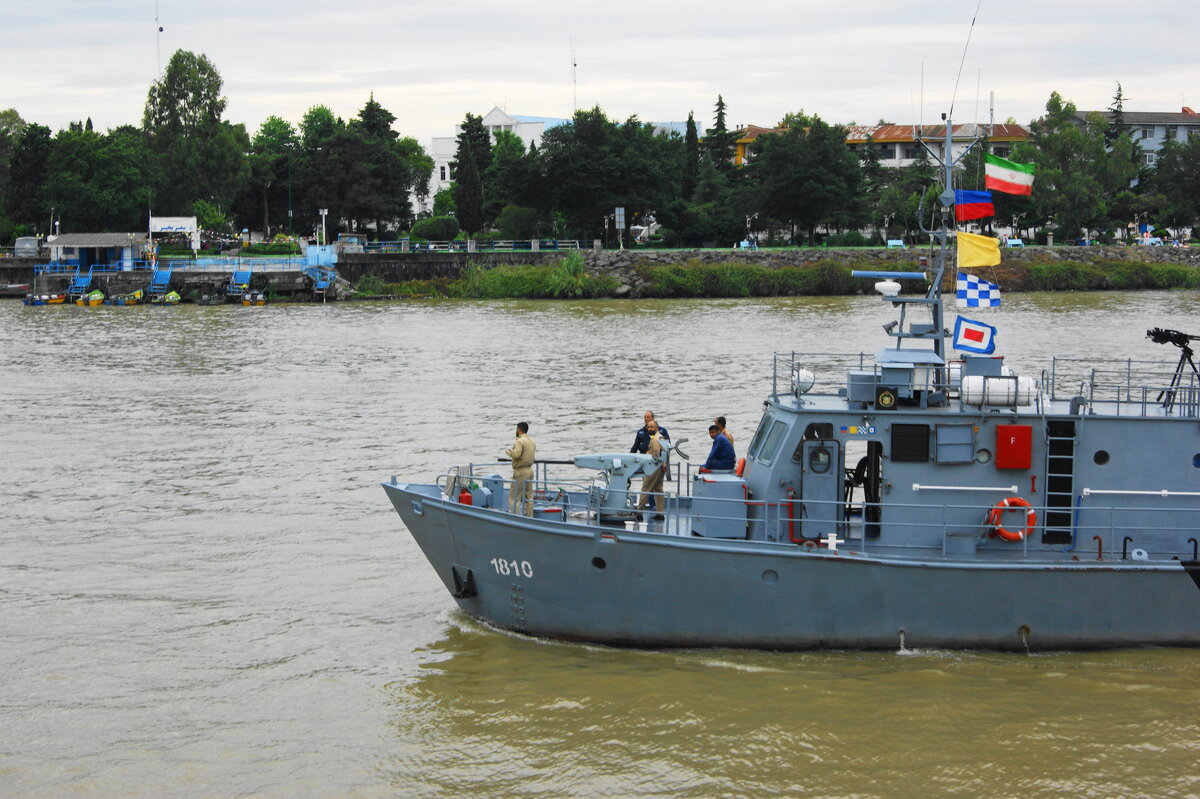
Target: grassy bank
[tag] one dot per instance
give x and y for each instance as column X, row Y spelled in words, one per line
column 568, row 279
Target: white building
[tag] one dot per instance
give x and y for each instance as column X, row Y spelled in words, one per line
column 442, row 148
column 1150, row 130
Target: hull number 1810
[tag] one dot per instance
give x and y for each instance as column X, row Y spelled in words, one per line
column 512, row 568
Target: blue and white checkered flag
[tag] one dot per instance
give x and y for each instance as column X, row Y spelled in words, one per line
column 974, row 292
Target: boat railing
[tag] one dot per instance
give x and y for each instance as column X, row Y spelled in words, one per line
column 1163, row 524
column 1124, row 388
column 832, row 370
column 785, row 365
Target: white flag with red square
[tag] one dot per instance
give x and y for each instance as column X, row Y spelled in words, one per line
column 972, row 336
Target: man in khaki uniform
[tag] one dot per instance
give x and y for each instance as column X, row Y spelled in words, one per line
column 652, row 483
column 522, row 453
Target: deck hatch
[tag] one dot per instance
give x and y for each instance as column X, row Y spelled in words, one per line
column 910, row 442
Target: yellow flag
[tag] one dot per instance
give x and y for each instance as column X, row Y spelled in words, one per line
column 974, row 250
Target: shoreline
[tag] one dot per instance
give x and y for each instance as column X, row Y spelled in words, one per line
column 665, row 274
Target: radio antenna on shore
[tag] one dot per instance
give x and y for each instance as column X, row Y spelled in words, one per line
column 574, row 82
column 157, row 44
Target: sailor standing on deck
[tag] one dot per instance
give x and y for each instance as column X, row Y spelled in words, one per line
column 521, row 453
column 652, row 483
column 641, row 442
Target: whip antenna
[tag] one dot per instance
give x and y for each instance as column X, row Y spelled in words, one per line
column 964, row 58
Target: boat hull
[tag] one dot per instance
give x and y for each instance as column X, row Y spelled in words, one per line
column 629, row 587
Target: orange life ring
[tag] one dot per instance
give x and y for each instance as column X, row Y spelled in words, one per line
column 997, row 511
column 741, row 467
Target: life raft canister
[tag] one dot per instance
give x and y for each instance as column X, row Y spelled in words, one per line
column 997, row 511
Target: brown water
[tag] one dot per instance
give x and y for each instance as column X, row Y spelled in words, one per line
column 204, row 592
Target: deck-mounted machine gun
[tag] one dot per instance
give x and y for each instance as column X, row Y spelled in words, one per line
column 1183, row 342
column 616, row 470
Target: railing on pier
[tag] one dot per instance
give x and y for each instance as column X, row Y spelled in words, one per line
column 215, row 265
column 479, row 245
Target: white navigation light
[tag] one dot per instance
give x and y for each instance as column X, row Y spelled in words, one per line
column 802, row 380
column 888, row 288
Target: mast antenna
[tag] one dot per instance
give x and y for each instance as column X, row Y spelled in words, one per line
column 964, row 58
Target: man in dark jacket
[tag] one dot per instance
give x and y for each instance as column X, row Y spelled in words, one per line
column 642, row 440
column 721, row 457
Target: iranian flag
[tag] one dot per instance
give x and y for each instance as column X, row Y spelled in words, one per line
column 1007, row 176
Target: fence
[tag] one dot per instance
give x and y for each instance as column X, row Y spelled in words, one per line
column 481, row 245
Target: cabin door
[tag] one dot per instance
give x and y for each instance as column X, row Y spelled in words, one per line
column 821, row 487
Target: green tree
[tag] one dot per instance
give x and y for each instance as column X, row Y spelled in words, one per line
column 318, row 124
column 719, row 140
column 200, row 156
column 11, row 129
column 382, row 194
column 468, row 193
column 316, row 185
column 210, row 216
column 443, row 202
column 807, row 177
column 516, row 222
column 506, row 177
column 27, row 177
column 691, row 168
column 1077, row 176
column 272, row 151
column 1176, row 181
column 473, row 155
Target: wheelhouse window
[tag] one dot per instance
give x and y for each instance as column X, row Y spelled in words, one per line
column 759, row 434
column 771, row 443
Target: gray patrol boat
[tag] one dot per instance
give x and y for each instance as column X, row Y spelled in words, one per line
column 925, row 502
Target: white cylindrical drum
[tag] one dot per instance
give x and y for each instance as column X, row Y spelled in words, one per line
column 998, row 391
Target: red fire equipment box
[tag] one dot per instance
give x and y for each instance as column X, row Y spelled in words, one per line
column 1014, row 446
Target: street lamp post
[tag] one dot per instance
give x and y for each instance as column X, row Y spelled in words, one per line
column 323, row 212
column 289, row 162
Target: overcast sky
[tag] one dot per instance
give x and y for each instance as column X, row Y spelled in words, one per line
column 429, row 63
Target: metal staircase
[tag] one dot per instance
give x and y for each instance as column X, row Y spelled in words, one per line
column 160, row 284
column 322, row 280
column 80, row 284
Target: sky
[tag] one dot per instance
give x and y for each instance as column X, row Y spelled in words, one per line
column 430, row 63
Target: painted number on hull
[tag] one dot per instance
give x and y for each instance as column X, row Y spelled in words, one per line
column 512, row 567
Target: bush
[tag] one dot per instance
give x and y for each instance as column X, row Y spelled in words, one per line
column 437, row 228
column 696, row 279
column 569, row 277
column 372, row 286
column 516, row 222
column 1067, row 277
column 273, row 248
column 851, row 238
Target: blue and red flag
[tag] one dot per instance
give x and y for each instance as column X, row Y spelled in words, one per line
column 972, row 205
column 972, row 336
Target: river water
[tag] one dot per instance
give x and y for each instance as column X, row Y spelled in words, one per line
column 204, row 592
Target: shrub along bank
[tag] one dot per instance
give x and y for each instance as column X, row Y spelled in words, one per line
column 569, row 278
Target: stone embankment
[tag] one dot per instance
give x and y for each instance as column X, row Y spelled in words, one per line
column 1013, row 270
